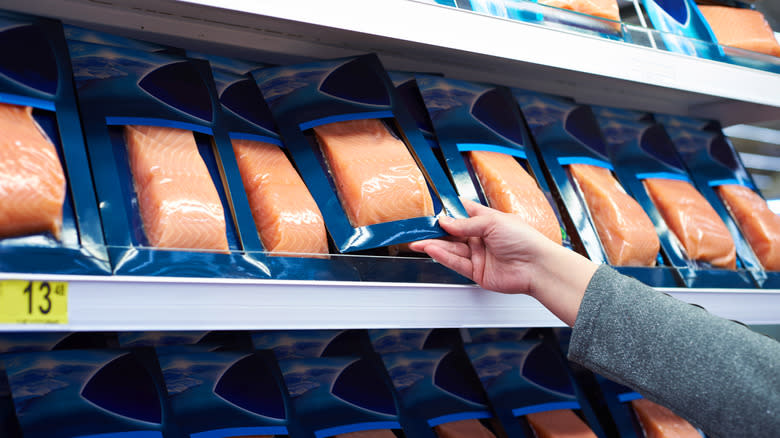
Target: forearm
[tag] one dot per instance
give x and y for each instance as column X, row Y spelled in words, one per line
column 560, row 281
column 717, row 374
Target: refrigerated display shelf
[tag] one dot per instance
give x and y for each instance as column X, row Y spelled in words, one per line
column 144, row 303
column 411, row 36
column 416, row 36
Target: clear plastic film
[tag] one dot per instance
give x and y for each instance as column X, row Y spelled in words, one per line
column 509, row 188
column 657, row 420
column 600, row 8
column 693, row 221
column 285, row 214
column 376, row 177
column 32, row 181
column 759, row 224
column 626, row 232
column 560, row 422
column 470, row 428
column 178, row 202
column 742, row 28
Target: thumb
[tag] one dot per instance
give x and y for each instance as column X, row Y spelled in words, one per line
column 476, row 226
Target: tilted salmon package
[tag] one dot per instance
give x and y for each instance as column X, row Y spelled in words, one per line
column 304, row 344
column 719, row 174
column 49, row 220
column 224, row 394
column 287, row 221
column 531, row 389
column 370, row 170
column 488, row 151
column 109, row 392
column 165, row 173
column 607, row 223
column 694, row 240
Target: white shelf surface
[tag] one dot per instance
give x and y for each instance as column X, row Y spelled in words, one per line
column 415, row 36
column 143, row 303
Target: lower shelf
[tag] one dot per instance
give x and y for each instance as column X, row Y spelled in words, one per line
column 141, row 303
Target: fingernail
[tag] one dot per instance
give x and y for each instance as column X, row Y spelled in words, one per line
column 446, row 220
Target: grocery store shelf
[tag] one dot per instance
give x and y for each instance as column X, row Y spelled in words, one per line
column 417, row 36
column 143, row 303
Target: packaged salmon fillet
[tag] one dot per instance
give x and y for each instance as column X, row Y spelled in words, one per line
column 168, row 175
column 683, row 29
column 659, row 422
column 561, row 422
column 223, row 393
column 488, row 151
column 743, row 28
column 759, row 224
column 438, row 393
column 530, row 386
column 354, row 141
column 609, row 225
column 287, row 233
column 600, row 8
column 651, row 170
column 339, row 395
column 722, row 179
column 49, row 221
column 463, row 429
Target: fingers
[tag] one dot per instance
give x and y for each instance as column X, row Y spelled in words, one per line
column 419, row 246
column 459, row 264
column 475, row 208
column 476, row 226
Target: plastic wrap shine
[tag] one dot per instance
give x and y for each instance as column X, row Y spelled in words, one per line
column 759, row 224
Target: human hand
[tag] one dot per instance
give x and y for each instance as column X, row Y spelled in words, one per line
column 496, row 250
column 499, row 252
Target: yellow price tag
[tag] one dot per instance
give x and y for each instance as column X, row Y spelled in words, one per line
column 33, row 302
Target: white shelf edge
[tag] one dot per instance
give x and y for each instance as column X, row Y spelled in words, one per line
column 104, row 303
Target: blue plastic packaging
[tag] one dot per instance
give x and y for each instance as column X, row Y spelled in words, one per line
column 335, row 395
column 641, row 150
column 386, row 341
column 567, row 133
column 681, row 18
column 302, row 97
column 119, row 86
column 712, row 161
column 75, row 33
column 36, row 73
column 479, row 117
column 224, row 394
column 304, row 344
column 526, row 376
column 90, row 392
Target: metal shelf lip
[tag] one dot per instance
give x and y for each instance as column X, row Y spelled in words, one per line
column 114, row 303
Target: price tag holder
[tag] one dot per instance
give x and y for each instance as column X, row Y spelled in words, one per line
column 33, row 302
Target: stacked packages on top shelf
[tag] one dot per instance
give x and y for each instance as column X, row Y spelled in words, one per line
column 206, row 166
column 311, row 384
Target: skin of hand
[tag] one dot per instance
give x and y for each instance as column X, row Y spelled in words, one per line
column 499, row 252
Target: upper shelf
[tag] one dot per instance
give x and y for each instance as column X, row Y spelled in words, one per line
column 136, row 303
column 415, row 36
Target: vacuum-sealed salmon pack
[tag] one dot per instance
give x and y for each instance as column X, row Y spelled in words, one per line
column 224, row 394
column 607, row 223
column 337, row 396
column 438, row 394
column 720, row 176
column 49, row 220
column 488, row 151
column 531, row 389
column 386, row 341
column 287, row 220
column 165, row 174
column 108, row 392
column 76, row 33
column 370, row 170
column 694, row 240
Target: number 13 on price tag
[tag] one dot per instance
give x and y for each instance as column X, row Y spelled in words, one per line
column 33, row 302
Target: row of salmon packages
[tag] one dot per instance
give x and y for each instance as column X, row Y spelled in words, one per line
column 192, row 176
column 443, row 383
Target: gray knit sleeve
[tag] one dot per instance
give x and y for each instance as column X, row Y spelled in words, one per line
column 721, row 376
